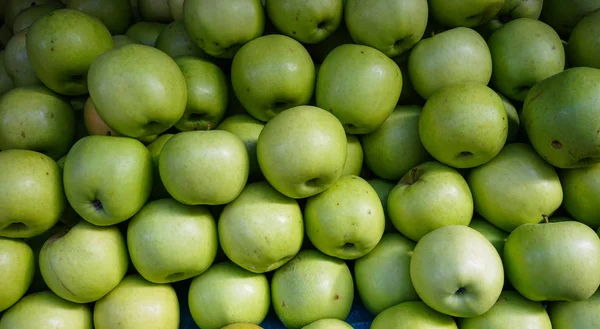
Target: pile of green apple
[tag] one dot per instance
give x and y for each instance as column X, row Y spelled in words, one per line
column 437, row 160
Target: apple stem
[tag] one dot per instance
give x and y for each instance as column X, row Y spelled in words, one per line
column 545, row 217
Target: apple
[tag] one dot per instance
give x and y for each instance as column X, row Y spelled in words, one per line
column 302, row 151
column 412, row 315
column 383, row 188
column 145, row 32
column 553, row 261
column 328, row 324
column 309, row 22
column 138, row 90
column 93, row 123
column 429, row 196
column 27, row 16
column 584, row 42
column 227, row 294
column 46, row 310
column 158, row 189
column 521, row 9
column 47, row 122
column 318, row 51
column 495, row 235
column 350, row 79
column 354, row 156
column 85, row 262
column 468, row 13
column 176, row 7
column 510, row 311
column 580, row 185
column 310, row 287
column 6, row 84
column 268, row 85
column 11, row 8
column 122, row 40
column 564, row 16
column 33, row 199
column 576, row 315
column 155, row 11
column 175, row 41
column 220, row 28
column 242, row 326
column 562, row 122
column 17, row 268
column 516, row 187
column 513, row 118
column 114, row 14
column 16, row 62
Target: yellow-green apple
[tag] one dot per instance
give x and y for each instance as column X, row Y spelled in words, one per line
column 227, row 294
column 158, row 189
column 513, row 118
column 35, row 118
column 527, row 188
column 85, row 262
column 513, row 9
column 310, row 287
column 455, row 56
column 155, row 11
column 145, row 32
column 17, row 268
column 175, row 41
column 584, row 42
column 242, row 326
column 302, row 151
column 412, row 315
column 27, row 16
column 576, row 315
column 176, row 7
column 563, row 16
column 32, row 198
column 11, row 8
column 354, row 156
column 580, row 186
column 6, row 84
column 328, row 324
column 114, row 14
column 350, row 78
column 383, row 188
column 94, row 123
column 467, row 13
column 138, row 90
column 220, row 28
column 36, row 243
column 429, row 196
column 495, row 235
column 122, row 40
column 17, row 63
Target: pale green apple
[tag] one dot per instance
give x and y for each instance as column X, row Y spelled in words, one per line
column 354, row 156
column 310, row 287
column 429, row 196
column 391, row 26
column 455, row 56
column 561, row 121
column 84, row 263
column 226, row 294
column 563, row 16
column 457, row 271
column 114, row 14
column 521, row 8
column 395, row 147
column 510, row 311
column 170, row 242
column 138, row 90
column 204, row 167
column 584, row 42
column 61, row 55
column 383, row 188
column 580, row 186
column 467, row 13
column 32, row 198
column 25, row 18
column 512, row 115
column 158, row 189
column 207, row 93
column 576, row 315
column 176, row 7
column 328, row 324
column 6, row 84
column 122, row 40
column 220, row 28
column 271, row 74
column 495, row 235
column 155, row 11
column 516, row 187
column 11, row 8
column 412, row 315
column 46, row 310
column 242, row 326
column 146, row 32
column 306, row 21
column 17, row 268
column 175, row 41
column 36, row 243
column 383, row 275
column 16, row 62
column 360, row 85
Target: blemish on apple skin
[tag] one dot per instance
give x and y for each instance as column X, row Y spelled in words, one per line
column 556, row 144
column 336, row 297
column 282, row 303
column 23, row 134
column 536, row 96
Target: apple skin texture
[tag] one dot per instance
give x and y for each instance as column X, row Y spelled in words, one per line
column 328, row 324
column 17, row 268
column 412, row 315
column 576, row 315
column 114, row 14
column 580, row 187
column 468, row 13
column 16, row 62
column 175, row 41
column 584, row 42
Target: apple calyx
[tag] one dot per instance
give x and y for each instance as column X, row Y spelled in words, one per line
column 97, row 204
column 460, row 291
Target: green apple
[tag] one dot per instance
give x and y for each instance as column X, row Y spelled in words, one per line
column 242, row 326
column 175, row 41
column 158, row 189
column 328, row 324
column 579, row 186
column 521, row 8
column 293, row 155
column 561, row 121
column 524, row 52
column 155, row 11
column 226, row 294
column 47, row 122
column 32, row 198
column 553, row 261
column 310, row 287
column 429, row 196
column 220, row 28
column 16, row 62
column 495, row 235
column 514, row 188
column 412, row 315
column 383, row 188
column 17, row 267
column 271, row 74
column 347, row 220
column 6, row 84
column 261, row 229
column 584, row 41
column 510, row 311
column 383, row 275
column 114, row 14
column 145, row 32
column 107, row 179
column 204, row 167
column 563, row 16
column 93, row 123
column 163, row 241
column 457, row 271
column 46, row 310
column 354, row 156
column 138, row 90
column 395, row 147
column 318, row 51
column 176, row 7
column 306, row 21
column 408, row 95
column 467, row 13
column 122, row 40
column 11, row 8
column 576, row 315
column 360, row 85
column 464, row 125
column 391, row 26
column 60, row 55
column 206, row 92
column 455, row 56
column 25, row 18
column 84, row 263
column 512, row 116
